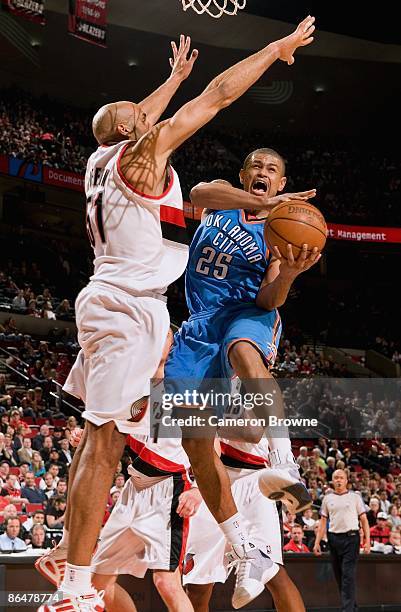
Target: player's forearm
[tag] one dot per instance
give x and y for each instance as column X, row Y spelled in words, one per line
column 236, row 80
column 275, row 293
column 217, row 196
column 156, row 103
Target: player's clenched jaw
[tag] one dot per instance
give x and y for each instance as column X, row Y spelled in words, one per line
column 119, row 121
column 263, row 173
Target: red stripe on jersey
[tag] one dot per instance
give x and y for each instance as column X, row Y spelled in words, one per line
column 154, row 459
column 132, row 188
column 135, row 444
column 159, row 462
column 240, row 455
column 169, row 214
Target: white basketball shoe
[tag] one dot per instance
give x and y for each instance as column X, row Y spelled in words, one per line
column 282, row 482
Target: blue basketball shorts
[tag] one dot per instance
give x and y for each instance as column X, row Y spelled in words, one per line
column 202, row 344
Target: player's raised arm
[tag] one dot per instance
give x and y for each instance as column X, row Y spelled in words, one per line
column 228, row 87
column 143, row 164
column 221, row 195
column 181, row 67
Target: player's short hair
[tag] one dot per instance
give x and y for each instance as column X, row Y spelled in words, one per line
column 264, row 151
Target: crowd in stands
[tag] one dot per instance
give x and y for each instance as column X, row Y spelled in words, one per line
column 35, row 448
column 304, row 361
column 42, row 131
column 374, row 471
column 22, row 291
column 389, row 348
column 351, row 181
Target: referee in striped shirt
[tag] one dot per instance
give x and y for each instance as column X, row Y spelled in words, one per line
column 343, row 509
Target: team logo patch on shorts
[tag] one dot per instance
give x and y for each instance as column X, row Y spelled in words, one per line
column 138, row 409
column 188, row 564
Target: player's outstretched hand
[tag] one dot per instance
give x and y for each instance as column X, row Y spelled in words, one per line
column 291, row 267
column 300, row 38
column 189, row 502
column 181, row 65
column 286, row 197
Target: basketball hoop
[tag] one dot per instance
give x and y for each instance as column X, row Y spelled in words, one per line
column 214, row 8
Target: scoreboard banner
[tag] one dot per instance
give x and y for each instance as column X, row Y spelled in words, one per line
column 33, row 10
column 87, row 20
column 362, row 233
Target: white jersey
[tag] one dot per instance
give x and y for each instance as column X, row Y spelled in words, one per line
column 124, row 227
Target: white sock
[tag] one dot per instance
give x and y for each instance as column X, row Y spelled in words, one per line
column 280, row 449
column 77, row 579
column 235, row 531
column 64, row 540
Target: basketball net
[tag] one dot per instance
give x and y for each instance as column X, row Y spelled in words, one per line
column 214, row 8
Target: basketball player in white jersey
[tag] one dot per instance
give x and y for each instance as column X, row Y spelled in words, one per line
column 121, row 318
column 148, row 527
column 207, row 559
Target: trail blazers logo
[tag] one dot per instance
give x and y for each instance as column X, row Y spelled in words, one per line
column 138, row 409
column 189, row 563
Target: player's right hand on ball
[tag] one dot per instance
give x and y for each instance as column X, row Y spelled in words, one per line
column 300, row 38
column 291, row 267
column 286, row 197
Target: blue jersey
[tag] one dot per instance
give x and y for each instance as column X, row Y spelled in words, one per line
column 227, row 261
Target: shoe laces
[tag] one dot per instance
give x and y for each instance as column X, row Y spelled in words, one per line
column 239, row 566
column 86, row 603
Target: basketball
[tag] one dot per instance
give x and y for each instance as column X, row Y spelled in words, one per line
column 295, row 222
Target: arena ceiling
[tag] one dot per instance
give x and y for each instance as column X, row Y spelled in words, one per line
column 358, row 19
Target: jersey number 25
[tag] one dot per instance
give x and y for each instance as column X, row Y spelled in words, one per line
column 213, row 264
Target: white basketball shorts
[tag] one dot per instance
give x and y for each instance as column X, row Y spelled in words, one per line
column 205, row 561
column 144, row 531
column 122, row 339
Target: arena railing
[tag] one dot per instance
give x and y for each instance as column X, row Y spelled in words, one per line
column 58, row 396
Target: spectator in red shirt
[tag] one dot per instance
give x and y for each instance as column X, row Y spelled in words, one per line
column 381, row 531
column 16, row 421
column 11, row 490
column 295, row 544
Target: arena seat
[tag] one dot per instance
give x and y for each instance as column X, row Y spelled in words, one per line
column 33, row 507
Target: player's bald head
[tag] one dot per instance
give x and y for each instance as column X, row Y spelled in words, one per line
column 115, row 122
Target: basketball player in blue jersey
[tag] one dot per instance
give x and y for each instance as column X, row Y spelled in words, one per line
column 233, row 289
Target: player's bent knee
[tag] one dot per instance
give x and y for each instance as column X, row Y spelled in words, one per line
column 168, row 584
column 247, row 361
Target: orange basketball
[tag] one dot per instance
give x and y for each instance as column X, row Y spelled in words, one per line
column 295, row 222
